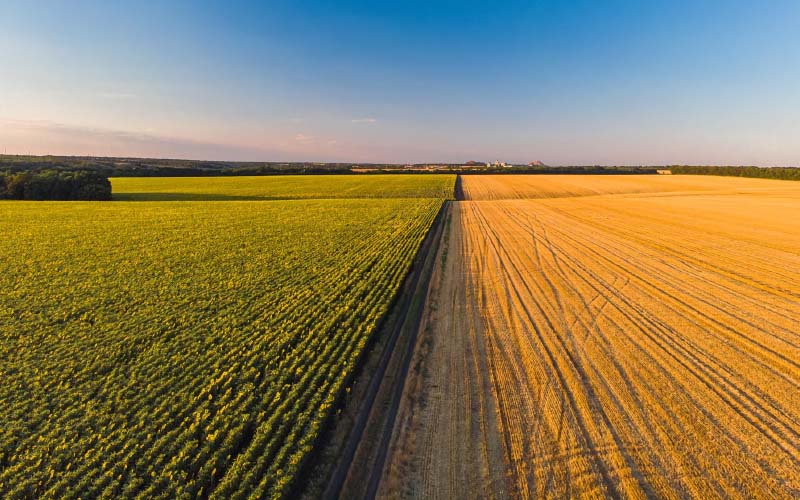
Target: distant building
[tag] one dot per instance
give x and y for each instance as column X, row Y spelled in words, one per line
column 664, row 171
column 536, row 163
column 502, row 164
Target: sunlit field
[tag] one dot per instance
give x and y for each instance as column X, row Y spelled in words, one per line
column 175, row 349
column 609, row 337
column 287, row 187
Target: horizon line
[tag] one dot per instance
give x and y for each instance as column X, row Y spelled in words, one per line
column 449, row 163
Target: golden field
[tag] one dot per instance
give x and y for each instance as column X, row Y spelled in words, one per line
column 596, row 336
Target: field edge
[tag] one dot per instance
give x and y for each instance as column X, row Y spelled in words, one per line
column 361, row 408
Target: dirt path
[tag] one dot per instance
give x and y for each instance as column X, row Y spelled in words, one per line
column 642, row 343
column 445, row 416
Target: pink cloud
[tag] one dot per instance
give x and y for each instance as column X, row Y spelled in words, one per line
column 304, row 139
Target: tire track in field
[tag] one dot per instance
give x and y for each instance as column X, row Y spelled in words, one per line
column 568, row 344
column 582, row 432
column 767, row 367
column 571, row 360
column 638, row 405
column 719, row 366
column 620, row 354
column 690, row 271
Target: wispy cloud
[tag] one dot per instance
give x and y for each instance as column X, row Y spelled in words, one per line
column 364, row 120
column 49, row 137
column 303, row 138
column 332, row 142
column 117, row 96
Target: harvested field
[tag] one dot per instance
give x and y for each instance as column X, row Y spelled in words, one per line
column 595, row 336
column 503, row 187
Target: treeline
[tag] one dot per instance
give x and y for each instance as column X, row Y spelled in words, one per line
column 146, row 167
column 153, row 167
column 54, row 185
column 785, row 173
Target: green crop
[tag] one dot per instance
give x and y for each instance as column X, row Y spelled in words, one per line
column 185, row 349
column 289, row 187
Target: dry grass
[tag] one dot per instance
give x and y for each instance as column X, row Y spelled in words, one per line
column 610, row 336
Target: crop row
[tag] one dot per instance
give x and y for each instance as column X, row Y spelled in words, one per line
column 180, row 350
column 284, row 187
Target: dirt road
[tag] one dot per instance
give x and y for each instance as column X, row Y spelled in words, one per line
column 608, row 336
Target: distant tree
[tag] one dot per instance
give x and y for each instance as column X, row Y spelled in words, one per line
column 784, row 173
column 55, row 185
column 15, row 185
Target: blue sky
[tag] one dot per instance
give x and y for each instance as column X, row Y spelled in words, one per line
column 582, row 82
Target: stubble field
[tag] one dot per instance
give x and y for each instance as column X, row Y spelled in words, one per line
column 595, row 336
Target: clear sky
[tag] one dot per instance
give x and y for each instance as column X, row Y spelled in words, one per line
column 565, row 82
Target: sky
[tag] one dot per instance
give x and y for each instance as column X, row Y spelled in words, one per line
column 563, row 82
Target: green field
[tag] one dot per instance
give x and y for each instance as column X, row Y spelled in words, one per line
column 174, row 349
column 289, row 187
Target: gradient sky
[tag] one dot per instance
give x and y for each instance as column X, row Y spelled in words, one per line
column 565, row 82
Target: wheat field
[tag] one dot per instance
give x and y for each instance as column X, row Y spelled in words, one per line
column 607, row 336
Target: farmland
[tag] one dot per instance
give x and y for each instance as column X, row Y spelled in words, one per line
column 608, row 336
column 180, row 349
column 289, row 187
